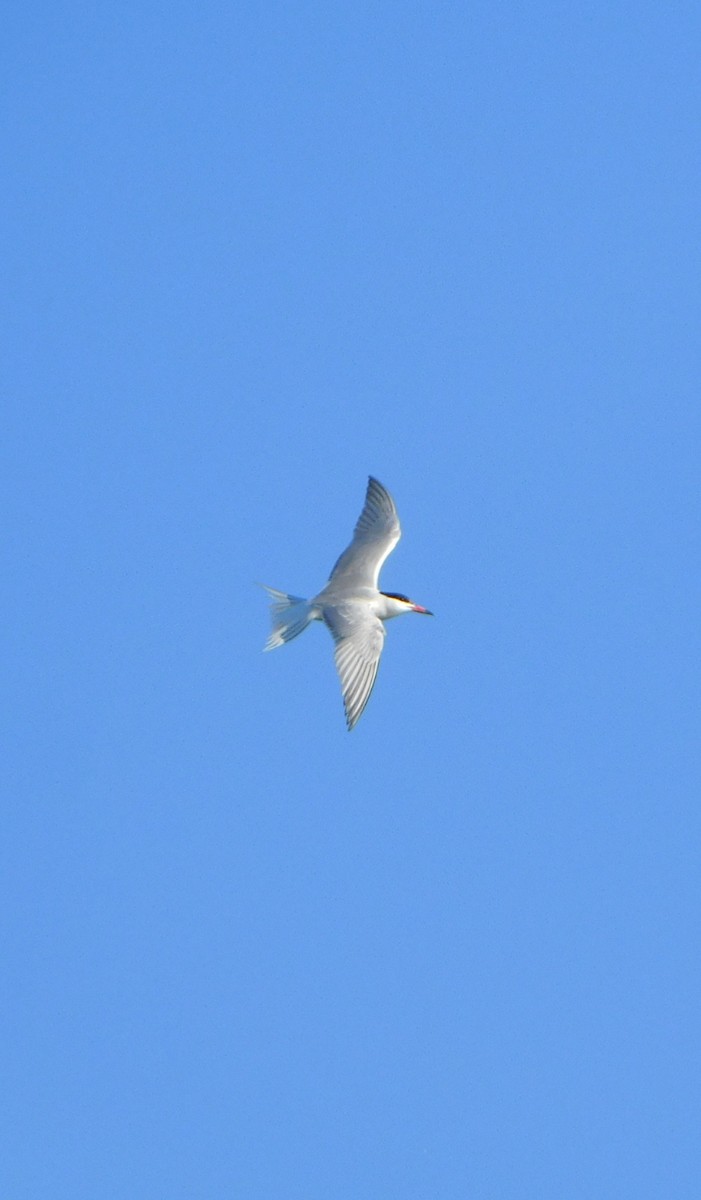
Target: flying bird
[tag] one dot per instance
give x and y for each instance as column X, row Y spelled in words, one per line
column 350, row 604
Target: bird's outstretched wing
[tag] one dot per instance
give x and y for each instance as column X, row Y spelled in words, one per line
column 359, row 636
column 375, row 536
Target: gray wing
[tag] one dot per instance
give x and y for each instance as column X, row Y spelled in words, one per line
column 359, row 636
column 375, row 536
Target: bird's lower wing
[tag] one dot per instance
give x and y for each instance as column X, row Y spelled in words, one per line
column 357, row 657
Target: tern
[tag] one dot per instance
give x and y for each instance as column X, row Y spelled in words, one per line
column 350, row 604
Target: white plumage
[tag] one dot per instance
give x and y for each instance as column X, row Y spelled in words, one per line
column 350, row 603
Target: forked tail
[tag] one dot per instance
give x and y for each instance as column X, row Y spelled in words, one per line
column 290, row 616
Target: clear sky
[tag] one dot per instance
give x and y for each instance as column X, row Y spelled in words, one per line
column 252, row 253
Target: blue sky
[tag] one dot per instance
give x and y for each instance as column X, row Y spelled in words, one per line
column 253, row 253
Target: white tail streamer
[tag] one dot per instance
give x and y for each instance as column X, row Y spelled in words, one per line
column 290, row 616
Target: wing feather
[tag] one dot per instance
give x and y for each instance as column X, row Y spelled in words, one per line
column 359, row 637
column 376, row 533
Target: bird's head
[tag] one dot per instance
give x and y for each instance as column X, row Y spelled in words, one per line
column 404, row 604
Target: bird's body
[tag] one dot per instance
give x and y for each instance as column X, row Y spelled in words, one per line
column 350, row 604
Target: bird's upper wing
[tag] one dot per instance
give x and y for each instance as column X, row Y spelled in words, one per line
column 359, row 636
column 375, row 536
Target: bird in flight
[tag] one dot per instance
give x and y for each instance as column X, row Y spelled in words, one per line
column 350, row 604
